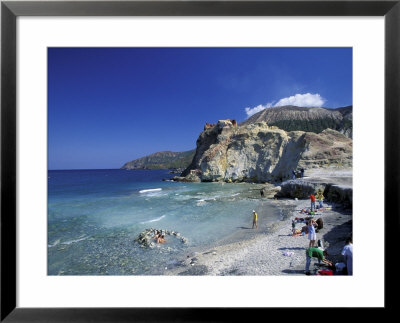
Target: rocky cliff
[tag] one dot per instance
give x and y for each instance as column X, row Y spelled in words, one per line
column 260, row 153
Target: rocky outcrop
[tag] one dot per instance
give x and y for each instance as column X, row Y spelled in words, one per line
column 299, row 189
column 333, row 193
column 146, row 238
column 340, row 194
column 260, row 153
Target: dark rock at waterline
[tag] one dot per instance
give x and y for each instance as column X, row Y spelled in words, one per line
column 269, row 191
column 191, row 178
column 146, row 238
column 299, row 189
column 340, row 194
column 333, row 193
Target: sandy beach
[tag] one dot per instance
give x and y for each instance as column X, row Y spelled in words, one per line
column 274, row 251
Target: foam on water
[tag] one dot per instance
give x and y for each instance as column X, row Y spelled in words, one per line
column 99, row 208
column 153, row 220
column 74, row 241
column 150, row 190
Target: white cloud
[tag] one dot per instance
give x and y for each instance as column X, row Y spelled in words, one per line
column 300, row 100
column 258, row 108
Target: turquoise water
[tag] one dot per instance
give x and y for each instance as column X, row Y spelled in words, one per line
column 94, row 217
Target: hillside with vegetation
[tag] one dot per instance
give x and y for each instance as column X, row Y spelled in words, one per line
column 162, row 160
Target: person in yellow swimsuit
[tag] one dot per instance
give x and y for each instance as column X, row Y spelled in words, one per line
column 320, row 198
column 255, row 218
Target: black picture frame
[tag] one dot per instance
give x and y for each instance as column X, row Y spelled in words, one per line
column 10, row 10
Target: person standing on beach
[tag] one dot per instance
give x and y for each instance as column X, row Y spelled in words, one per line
column 302, row 172
column 316, row 253
column 312, row 198
column 294, row 174
column 255, row 219
column 347, row 252
column 312, row 236
column 320, row 198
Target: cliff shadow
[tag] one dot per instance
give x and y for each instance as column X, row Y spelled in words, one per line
column 289, row 160
column 207, row 138
column 336, row 239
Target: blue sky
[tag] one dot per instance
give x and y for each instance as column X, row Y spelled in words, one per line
column 108, row 106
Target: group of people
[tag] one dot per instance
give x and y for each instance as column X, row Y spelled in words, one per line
column 159, row 237
column 311, row 228
column 312, row 251
column 321, row 255
column 319, row 198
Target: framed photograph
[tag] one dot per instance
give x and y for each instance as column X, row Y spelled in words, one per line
column 172, row 160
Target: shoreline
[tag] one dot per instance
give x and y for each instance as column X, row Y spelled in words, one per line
column 271, row 250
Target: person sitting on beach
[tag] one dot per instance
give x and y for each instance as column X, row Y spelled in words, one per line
column 296, row 232
column 255, row 219
column 316, row 253
column 161, row 239
column 312, row 236
column 347, row 253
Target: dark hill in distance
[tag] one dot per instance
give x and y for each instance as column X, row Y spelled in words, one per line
column 293, row 118
column 162, row 160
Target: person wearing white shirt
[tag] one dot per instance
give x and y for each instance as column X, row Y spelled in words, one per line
column 347, row 253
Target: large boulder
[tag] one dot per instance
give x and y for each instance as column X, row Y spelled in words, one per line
column 340, row 194
column 299, row 189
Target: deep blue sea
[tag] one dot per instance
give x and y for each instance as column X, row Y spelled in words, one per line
column 94, row 217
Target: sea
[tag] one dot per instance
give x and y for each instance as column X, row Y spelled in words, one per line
column 96, row 216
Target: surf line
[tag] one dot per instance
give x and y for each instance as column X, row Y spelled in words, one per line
column 150, row 190
column 154, row 220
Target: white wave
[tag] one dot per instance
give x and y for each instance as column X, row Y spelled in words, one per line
column 54, row 244
column 211, row 198
column 201, row 202
column 73, row 241
column 153, row 220
column 150, row 190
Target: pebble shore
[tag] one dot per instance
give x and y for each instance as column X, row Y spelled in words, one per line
column 274, row 251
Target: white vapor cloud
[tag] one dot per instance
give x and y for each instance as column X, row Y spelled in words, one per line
column 258, row 108
column 301, row 100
